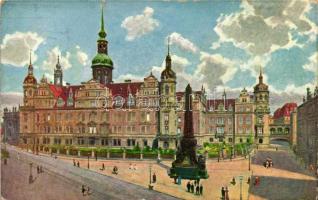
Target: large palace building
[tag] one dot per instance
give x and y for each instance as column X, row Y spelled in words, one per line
column 100, row 112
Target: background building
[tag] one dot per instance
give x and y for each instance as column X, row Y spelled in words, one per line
column 100, row 112
column 10, row 126
column 307, row 129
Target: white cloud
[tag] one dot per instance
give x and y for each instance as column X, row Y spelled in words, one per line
column 52, row 55
column 312, row 64
column 15, row 48
column 140, row 25
column 183, row 43
column 81, row 56
column 215, row 70
column 262, row 27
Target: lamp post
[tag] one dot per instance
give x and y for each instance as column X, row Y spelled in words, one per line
column 30, row 176
column 88, row 161
column 150, row 186
column 241, row 179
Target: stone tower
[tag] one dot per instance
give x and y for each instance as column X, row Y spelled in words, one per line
column 58, row 73
column 29, row 86
column 168, row 103
column 262, row 111
column 102, row 64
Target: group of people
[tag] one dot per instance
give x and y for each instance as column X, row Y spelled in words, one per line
column 132, row 166
column 268, row 163
column 225, row 193
column 76, row 163
column 39, row 169
column 196, row 185
column 86, row 190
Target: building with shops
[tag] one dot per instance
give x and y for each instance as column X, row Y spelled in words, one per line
column 101, row 112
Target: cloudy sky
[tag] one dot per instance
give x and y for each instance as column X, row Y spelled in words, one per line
column 220, row 44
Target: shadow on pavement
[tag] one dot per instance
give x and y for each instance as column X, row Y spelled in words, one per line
column 278, row 188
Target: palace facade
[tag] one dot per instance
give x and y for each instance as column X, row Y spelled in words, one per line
column 100, row 112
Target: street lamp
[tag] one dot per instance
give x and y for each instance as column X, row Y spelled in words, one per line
column 150, row 186
column 88, row 161
column 241, row 179
column 30, row 176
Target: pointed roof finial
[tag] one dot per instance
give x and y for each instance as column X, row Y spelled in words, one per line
column 102, row 33
column 58, row 59
column 260, row 74
column 30, row 56
column 169, row 45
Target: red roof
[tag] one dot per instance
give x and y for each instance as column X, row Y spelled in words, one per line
column 214, row 103
column 285, row 110
column 124, row 89
column 63, row 92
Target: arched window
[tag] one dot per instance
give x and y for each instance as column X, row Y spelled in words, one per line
column 167, row 89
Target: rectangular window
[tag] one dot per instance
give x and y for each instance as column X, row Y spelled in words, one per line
column 240, row 120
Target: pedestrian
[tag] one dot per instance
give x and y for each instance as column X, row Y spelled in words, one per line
column 195, row 183
column 88, row 191
column 233, row 181
column 201, row 189
column 192, row 188
column 83, row 190
column 248, row 180
column 103, row 166
column 227, row 194
column 188, row 186
column 78, row 164
column 197, row 190
column 154, row 178
column 38, row 169
column 74, row 162
column 223, row 193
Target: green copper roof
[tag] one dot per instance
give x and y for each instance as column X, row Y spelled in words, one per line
column 102, row 59
column 102, row 34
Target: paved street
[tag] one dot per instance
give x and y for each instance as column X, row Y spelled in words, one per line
column 62, row 181
column 286, row 180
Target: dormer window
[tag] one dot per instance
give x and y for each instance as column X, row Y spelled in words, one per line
column 131, row 100
column 60, row 102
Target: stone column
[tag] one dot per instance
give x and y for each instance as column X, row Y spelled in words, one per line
column 78, row 153
column 124, row 154
column 108, row 155
column 93, row 154
column 141, row 155
column 158, row 156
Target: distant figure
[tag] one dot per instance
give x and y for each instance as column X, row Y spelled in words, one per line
column 223, row 193
column 248, row 180
column 192, row 188
column 78, row 164
column 257, row 181
column 227, row 194
column 38, row 169
column 103, row 166
column 197, row 190
column 88, row 191
column 188, row 186
column 83, row 190
column 115, row 170
column 233, row 181
column 74, row 162
column 201, row 189
column 154, row 178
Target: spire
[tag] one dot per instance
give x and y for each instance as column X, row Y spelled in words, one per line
column 58, row 65
column 102, row 33
column 30, row 68
column 260, row 78
column 168, row 58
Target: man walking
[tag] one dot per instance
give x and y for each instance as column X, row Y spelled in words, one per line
column 154, row 178
column 197, row 189
column 192, row 188
column 188, row 186
column 201, row 189
column 223, row 193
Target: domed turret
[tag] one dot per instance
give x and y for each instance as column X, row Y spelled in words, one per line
column 102, row 64
column 30, row 79
column 168, row 73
